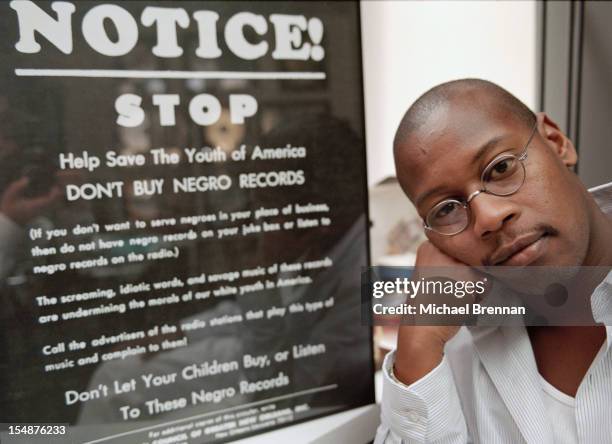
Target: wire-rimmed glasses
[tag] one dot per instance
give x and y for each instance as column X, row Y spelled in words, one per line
column 503, row 176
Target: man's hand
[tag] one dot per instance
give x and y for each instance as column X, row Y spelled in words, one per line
column 21, row 209
column 420, row 348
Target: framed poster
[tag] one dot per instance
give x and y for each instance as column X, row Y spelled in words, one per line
column 183, row 218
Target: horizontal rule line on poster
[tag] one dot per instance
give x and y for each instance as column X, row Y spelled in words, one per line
column 162, row 74
column 216, row 412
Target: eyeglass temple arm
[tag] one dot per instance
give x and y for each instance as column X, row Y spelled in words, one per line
column 523, row 155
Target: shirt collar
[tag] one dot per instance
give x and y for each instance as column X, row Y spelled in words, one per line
column 601, row 299
column 603, row 196
column 601, row 306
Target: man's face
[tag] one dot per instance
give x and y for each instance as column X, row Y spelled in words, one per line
column 544, row 223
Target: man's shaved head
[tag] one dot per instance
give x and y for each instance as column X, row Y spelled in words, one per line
column 477, row 91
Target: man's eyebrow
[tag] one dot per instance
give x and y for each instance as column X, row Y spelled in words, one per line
column 486, row 147
column 431, row 192
column 480, row 153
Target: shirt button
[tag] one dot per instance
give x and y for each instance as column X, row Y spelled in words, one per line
column 413, row 416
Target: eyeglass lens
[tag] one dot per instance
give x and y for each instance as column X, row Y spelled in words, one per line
column 502, row 177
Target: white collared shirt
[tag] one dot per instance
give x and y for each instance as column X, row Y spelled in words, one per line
column 562, row 409
column 487, row 388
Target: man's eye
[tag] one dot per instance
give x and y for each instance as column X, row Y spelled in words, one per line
column 446, row 210
column 501, row 169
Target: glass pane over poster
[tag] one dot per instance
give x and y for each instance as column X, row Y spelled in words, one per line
column 183, row 217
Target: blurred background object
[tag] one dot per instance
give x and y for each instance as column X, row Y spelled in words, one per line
column 574, row 80
column 396, row 229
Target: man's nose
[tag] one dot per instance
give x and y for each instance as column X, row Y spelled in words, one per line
column 491, row 212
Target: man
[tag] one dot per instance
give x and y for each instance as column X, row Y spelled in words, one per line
column 495, row 186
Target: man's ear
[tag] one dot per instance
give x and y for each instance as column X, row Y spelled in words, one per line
column 561, row 145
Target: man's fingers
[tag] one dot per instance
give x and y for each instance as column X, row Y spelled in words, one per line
column 16, row 188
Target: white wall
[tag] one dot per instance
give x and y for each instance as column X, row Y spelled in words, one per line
column 410, row 46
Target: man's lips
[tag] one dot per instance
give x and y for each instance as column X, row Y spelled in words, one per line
column 522, row 251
